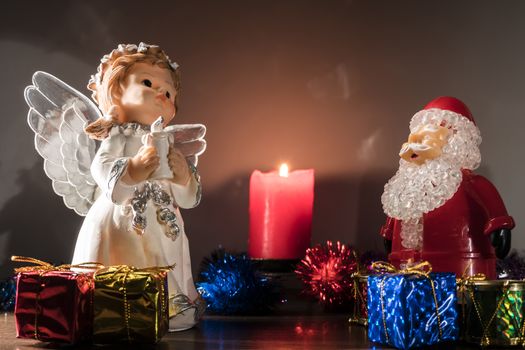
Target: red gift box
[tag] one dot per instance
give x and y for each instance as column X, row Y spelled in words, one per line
column 54, row 304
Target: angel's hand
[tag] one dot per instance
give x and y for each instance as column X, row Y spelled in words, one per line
column 142, row 165
column 179, row 166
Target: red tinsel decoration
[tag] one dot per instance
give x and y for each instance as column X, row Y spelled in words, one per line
column 327, row 270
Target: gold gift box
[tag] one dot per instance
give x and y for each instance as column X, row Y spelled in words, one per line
column 360, row 311
column 493, row 312
column 130, row 305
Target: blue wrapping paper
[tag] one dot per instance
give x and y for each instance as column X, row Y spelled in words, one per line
column 409, row 309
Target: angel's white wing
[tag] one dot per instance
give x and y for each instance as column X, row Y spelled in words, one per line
column 189, row 139
column 58, row 115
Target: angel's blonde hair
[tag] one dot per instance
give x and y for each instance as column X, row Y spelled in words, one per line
column 111, row 73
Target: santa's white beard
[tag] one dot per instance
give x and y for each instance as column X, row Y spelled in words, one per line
column 418, row 189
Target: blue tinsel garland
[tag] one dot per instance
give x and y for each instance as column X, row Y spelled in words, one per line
column 7, row 294
column 230, row 284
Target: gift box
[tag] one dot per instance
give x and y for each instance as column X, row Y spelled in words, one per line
column 493, row 312
column 130, row 305
column 360, row 308
column 412, row 308
column 53, row 303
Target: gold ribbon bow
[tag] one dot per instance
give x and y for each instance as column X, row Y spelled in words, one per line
column 422, row 269
column 468, row 279
column 127, row 269
column 44, row 267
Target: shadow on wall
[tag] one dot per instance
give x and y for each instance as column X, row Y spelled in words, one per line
column 36, row 223
column 347, row 209
column 221, row 219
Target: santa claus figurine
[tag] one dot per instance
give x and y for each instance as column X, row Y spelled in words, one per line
column 438, row 209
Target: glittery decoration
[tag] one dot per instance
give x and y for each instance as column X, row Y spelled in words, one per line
column 494, row 313
column 230, row 284
column 116, row 172
column 7, row 294
column 133, row 128
column 510, row 315
column 405, row 305
column 327, row 272
column 162, row 200
column 512, row 267
column 197, row 177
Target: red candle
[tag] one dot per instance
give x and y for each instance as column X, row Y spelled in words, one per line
column 280, row 213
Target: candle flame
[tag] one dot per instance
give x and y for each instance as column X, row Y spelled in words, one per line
column 283, row 170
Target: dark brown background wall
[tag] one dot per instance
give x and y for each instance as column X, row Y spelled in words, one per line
column 329, row 85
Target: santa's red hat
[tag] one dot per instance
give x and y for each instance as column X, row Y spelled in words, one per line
column 448, row 103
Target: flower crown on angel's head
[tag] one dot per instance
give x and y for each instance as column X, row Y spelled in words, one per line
column 140, row 53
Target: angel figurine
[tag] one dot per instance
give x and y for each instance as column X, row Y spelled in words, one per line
column 132, row 217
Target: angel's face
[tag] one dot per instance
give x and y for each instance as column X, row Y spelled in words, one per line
column 148, row 92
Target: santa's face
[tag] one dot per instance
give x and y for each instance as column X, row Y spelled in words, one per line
column 148, row 92
column 425, row 143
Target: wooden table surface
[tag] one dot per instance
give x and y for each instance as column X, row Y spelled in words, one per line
column 315, row 332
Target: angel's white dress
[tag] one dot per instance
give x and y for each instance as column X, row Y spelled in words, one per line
column 107, row 235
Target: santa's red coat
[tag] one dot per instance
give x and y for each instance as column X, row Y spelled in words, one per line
column 456, row 236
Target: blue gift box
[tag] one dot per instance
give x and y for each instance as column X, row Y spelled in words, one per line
column 405, row 304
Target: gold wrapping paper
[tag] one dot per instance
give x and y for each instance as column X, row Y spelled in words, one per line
column 130, row 305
